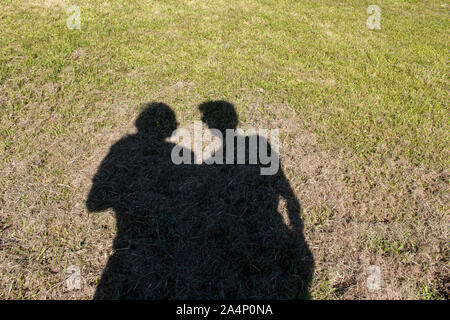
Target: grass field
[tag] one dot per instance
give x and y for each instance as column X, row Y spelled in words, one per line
column 363, row 116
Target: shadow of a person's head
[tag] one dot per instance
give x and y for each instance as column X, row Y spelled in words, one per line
column 156, row 119
column 219, row 115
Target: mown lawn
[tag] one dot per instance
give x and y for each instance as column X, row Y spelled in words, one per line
column 365, row 113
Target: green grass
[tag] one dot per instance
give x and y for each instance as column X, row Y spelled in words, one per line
column 378, row 92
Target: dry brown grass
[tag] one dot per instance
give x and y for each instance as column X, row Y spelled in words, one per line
column 356, row 212
column 360, row 212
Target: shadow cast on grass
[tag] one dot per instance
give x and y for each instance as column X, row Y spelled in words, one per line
column 196, row 231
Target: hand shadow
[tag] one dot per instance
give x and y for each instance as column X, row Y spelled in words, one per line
column 196, row 231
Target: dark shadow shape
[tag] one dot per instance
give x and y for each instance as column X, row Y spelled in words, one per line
column 196, row 231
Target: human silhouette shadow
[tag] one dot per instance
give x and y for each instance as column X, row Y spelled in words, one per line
column 206, row 231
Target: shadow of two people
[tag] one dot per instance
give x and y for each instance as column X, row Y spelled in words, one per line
column 196, row 231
